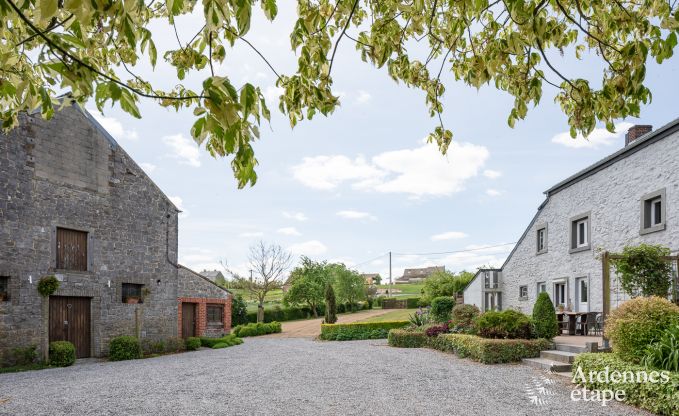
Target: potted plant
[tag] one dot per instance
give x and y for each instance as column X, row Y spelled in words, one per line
column 560, row 307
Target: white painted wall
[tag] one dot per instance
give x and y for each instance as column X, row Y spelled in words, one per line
column 613, row 196
column 472, row 293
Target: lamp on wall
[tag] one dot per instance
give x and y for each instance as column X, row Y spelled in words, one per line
column 30, row 279
column 158, row 282
column 108, row 284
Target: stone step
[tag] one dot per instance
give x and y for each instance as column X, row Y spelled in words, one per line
column 560, row 356
column 577, row 349
column 545, row 364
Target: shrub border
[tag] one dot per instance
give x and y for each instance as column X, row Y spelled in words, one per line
column 359, row 330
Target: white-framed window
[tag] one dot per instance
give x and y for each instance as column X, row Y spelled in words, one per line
column 653, row 212
column 541, row 240
column 491, row 280
column 580, row 233
column 542, row 287
column 560, row 294
column 523, row 292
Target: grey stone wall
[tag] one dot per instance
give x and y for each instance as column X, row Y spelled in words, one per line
column 613, row 196
column 194, row 285
column 67, row 172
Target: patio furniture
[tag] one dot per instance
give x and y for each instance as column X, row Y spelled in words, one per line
column 585, row 323
column 563, row 322
column 597, row 327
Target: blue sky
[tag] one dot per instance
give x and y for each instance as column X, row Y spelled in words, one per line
column 362, row 182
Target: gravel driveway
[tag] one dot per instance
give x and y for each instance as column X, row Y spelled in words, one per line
column 295, row 377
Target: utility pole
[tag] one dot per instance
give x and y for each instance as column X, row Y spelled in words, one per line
column 390, row 282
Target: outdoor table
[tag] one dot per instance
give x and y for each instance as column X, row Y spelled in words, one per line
column 572, row 320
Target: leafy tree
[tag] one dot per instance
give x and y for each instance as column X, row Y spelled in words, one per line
column 267, row 262
column 330, row 305
column 444, row 283
column 441, row 308
column 220, row 280
column 95, row 49
column 348, row 284
column 644, row 270
column 370, row 292
column 308, row 283
column 239, row 311
column 377, row 280
column 544, row 318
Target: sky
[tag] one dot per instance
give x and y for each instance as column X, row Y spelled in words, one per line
column 363, row 182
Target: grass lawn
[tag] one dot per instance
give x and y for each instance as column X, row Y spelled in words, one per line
column 395, row 315
column 410, row 290
column 20, row 368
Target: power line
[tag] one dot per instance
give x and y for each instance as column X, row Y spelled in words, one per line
column 368, row 261
column 453, row 252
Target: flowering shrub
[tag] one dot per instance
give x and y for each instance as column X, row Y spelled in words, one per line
column 434, row 331
column 420, row 317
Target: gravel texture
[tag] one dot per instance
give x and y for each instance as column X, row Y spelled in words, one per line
column 293, row 377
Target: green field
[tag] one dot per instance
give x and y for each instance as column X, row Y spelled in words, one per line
column 408, row 290
column 395, row 315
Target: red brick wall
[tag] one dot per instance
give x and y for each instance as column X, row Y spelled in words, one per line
column 201, row 309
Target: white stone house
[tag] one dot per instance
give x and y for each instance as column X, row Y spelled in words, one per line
column 484, row 290
column 628, row 198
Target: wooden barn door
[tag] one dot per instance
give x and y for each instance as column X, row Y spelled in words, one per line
column 70, row 321
column 188, row 320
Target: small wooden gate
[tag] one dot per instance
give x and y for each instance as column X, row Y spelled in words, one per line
column 188, row 319
column 69, row 320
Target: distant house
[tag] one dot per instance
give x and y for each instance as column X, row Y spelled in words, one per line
column 418, row 275
column 372, row 278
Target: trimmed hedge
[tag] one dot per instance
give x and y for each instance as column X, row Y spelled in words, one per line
column 192, row 343
column 660, row 398
column 359, row 330
column 490, row 351
column 124, row 348
column 61, row 353
column 509, row 324
column 228, row 340
column 253, row 330
column 402, row 338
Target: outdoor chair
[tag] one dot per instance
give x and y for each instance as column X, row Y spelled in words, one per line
column 597, row 324
column 586, row 323
column 562, row 320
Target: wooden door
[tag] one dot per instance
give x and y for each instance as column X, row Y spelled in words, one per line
column 69, row 320
column 188, row 320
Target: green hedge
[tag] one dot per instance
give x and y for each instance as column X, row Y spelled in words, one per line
column 490, row 351
column 61, row 353
column 253, row 330
column 660, row 398
column 124, row 348
column 402, row 338
column 228, row 340
column 193, row 343
column 359, row 330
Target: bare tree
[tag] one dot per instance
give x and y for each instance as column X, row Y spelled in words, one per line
column 268, row 263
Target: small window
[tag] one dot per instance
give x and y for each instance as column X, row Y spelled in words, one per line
column 491, row 280
column 4, row 288
column 583, row 291
column 653, row 212
column 580, row 233
column 132, row 293
column 560, row 294
column 542, row 287
column 71, row 250
column 215, row 314
column 523, row 292
column 541, row 240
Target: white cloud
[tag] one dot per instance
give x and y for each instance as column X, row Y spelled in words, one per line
column 289, row 231
column 272, row 95
column 493, row 192
column 356, row 215
column 186, row 150
column 363, row 97
column 179, row 203
column 309, row 248
column 297, row 216
column 251, row 234
column 113, row 126
column 148, row 167
column 597, row 138
column 492, row 174
column 327, row 172
column 418, row 172
column 450, row 235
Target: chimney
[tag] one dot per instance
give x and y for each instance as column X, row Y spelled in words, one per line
column 635, row 132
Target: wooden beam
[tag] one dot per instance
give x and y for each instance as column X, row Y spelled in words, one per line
column 606, row 295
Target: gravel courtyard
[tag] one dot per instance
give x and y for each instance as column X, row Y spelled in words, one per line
column 294, row 377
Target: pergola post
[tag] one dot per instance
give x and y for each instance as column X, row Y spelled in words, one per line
column 606, row 295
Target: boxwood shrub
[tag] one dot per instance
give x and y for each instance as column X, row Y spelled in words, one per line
column 229, row 340
column 359, row 330
column 253, row 330
column 509, row 324
column 441, row 308
column 124, row 348
column 403, row 338
column 192, row 343
column 490, row 351
column 660, row 398
column 61, row 353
